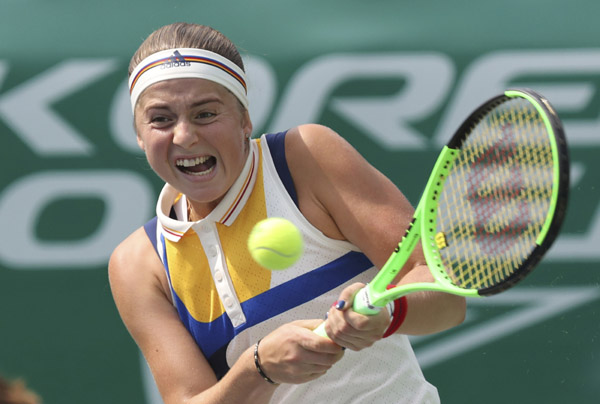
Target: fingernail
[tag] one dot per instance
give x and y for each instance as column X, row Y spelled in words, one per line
column 340, row 304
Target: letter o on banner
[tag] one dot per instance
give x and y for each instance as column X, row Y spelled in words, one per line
column 127, row 196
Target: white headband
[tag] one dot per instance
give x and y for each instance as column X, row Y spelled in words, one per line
column 187, row 63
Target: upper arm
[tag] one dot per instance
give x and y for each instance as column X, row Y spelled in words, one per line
column 138, row 287
column 345, row 196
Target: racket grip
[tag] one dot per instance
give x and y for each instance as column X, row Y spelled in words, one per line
column 320, row 330
column 360, row 305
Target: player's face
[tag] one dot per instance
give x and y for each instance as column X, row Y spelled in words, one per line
column 193, row 132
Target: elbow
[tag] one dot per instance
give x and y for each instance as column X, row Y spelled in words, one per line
column 460, row 311
column 455, row 311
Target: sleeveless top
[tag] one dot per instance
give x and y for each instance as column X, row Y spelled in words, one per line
column 227, row 301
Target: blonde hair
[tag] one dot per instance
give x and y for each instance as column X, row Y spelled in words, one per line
column 185, row 35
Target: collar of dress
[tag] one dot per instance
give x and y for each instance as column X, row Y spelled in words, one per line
column 225, row 212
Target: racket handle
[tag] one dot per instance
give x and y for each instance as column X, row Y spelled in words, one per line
column 360, row 305
column 320, row 330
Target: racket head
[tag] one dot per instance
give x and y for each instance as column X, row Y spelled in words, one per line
column 498, row 195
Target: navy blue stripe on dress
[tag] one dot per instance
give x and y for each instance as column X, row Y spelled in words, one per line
column 150, row 228
column 276, row 142
column 211, row 336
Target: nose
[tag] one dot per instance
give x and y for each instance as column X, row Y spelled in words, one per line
column 184, row 134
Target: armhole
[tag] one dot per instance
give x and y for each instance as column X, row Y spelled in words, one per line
column 276, row 142
column 152, row 232
column 150, row 228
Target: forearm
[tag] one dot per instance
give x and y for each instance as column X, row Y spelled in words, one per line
column 292, row 354
column 430, row 312
column 242, row 384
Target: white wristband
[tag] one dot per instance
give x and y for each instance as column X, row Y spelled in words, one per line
column 390, row 308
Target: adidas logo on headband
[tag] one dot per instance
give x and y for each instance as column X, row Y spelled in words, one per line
column 176, row 60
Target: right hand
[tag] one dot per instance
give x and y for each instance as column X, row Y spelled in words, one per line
column 353, row 330
column 293, row 353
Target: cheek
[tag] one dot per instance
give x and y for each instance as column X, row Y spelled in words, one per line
column 156, row 152
column 233, row 155
column 160, row 166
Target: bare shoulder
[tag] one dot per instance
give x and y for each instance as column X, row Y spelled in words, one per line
column 134, row 263
column 126, row 255
column 309, row 150
column 318, row 140
column 342, row 194
column 320, row 158
column 315, row 132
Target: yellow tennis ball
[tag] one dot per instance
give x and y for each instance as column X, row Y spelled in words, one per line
column 275, row 243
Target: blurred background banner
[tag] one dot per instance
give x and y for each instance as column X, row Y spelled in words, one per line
column 395, row 78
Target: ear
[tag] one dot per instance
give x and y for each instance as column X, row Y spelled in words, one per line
column 140, row 143
column 246, row 122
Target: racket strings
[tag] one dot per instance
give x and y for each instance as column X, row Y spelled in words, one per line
column 497, row 196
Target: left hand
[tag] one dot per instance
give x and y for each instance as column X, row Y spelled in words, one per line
column 353, row 330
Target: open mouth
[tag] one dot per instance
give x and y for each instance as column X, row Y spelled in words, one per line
column 197, row 166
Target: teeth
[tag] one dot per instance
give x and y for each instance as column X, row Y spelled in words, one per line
column 202, row 173
column 186, row 163
column 191, row 162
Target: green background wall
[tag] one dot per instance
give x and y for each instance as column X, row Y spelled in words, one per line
column 393, row 77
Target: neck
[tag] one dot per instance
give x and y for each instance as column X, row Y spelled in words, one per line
column 197, row 211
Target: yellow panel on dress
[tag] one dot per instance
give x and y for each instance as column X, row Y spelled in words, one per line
column 190, row 273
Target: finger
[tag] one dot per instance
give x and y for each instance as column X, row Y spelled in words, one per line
column 308, row 324
column 320, row 362
column 356, row 331
column 347, row 296
column 312, row 341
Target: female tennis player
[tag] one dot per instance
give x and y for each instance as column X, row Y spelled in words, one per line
column 213, row 325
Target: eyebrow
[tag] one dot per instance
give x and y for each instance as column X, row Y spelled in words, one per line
column 165, row 105
column 207, row 101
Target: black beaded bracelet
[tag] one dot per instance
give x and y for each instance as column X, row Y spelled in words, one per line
column 258, row 367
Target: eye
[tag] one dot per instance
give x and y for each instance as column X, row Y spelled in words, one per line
column 160, row 120
column 206, row 115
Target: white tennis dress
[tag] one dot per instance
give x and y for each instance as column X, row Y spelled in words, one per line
column 228, row 302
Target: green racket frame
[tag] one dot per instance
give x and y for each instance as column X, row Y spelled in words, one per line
column 376, row 294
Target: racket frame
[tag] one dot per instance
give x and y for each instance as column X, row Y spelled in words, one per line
column 375, row 294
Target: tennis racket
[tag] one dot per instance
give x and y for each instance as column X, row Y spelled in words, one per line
column 492, row 207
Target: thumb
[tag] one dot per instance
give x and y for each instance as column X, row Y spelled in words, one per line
column 346, row 298
column 308, row 324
